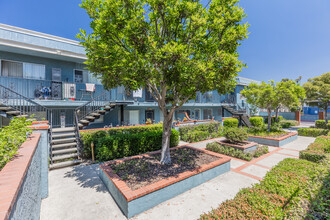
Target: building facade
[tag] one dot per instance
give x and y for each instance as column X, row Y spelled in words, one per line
column 50, row 70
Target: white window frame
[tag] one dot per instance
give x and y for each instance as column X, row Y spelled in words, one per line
column 23, row 68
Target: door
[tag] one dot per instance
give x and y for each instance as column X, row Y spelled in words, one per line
column 150, row 114
column 134, row 117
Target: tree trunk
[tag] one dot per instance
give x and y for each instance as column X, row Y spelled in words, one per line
column 326, row 115
column 269, row 118
column 276, row 114
column 167, row 126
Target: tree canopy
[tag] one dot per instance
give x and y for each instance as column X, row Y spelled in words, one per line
column 271, row 96
column 174, row 48
column 318, row 92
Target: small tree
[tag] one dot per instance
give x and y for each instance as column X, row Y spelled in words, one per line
column 273, row 95
column 173, row 48
column 318, row 92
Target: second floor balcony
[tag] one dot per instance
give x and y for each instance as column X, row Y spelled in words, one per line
column 49, row 90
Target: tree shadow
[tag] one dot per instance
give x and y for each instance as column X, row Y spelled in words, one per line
column 320, row 205
column 87, row 177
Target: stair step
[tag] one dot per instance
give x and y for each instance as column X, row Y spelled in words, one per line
column 57, row 146
column 63, row 135
column 62, row 140
column 84, row 122
column 13, row 112
column 58, row 130
column 90, row 118
column 80, row 125
column 65, row 156
column 102, row 112
column 64, row 164
column 65, row 151
column 107, row 108
column 22, row 116
column 5, row 108
column 96, row 115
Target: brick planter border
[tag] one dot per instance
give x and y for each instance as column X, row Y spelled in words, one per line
column 276, row 142
column 133, row 202
column 248, row 147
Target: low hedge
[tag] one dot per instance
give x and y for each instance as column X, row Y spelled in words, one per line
column 280, row 193
column 235, row 134
column 124, row 145
column 273, row 119
column 125, row 141
column 288, row 123
column 318, row 150
column 321, row 124
column 230, row 123
column 195, row 133
column 257, row 121
column 312, row 132
column 230, row 151
column 11, row 138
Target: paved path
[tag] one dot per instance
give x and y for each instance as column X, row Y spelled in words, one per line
column 78, row 193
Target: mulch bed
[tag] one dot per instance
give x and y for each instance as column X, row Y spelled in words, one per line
column 140, row 172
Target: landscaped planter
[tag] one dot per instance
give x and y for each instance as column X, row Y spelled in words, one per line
column 245, row 147
column 277, row 142
column 133, row 202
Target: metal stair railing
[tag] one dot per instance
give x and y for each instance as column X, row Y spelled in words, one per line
column 26, row 106
column 82, row 111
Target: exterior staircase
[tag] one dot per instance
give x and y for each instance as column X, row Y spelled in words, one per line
column 242, row 117
column 64, row 151
column 65, row 143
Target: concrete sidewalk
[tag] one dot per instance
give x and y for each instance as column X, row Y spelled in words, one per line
column 78, row 193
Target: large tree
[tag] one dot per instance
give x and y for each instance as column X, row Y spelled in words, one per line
column 271, row 96
column 318, row 92
column 174, row 48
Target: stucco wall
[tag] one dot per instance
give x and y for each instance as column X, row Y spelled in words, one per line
column 28, row 202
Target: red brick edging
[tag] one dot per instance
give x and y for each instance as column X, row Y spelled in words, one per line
column 13, row 174
column 247, row 144
column 276, row 139
column 130, row 194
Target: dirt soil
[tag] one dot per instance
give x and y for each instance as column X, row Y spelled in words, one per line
column 140, row 172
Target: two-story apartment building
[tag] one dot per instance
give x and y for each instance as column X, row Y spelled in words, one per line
column 50, row 70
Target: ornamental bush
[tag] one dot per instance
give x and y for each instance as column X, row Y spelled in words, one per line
column 257, row 121
column 230, row 123
column 117, row 143
column 200, row 132
column 318, row 150
column 236, row 134
column 11, row 138
column 312, row 132
column 273, row 119
column 320, row 124
column 288, row 123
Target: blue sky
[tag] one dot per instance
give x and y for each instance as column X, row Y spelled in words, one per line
column 288, row 38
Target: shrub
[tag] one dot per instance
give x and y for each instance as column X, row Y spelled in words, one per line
column 11, row 137
column 312, row 132
column 257, row 122
column 273, row 119
column 320, row 124
column 230, row 151
column 128, row 147
column 277, row 195
column 288, row 123
column 236, row 134
column 194, row 133
column 318, row 150
column 230, row 123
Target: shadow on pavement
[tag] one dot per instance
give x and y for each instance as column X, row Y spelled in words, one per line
column 87, row 177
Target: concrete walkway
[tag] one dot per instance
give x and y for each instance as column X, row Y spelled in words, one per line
column 78, row 193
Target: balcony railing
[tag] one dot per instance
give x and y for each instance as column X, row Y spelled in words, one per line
column 38, row 89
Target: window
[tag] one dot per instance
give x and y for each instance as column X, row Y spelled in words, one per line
column 34, row 71
column 83, row 76
column 11, row 69
column 207, row 114
column 78, row 76
column 23, row 70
